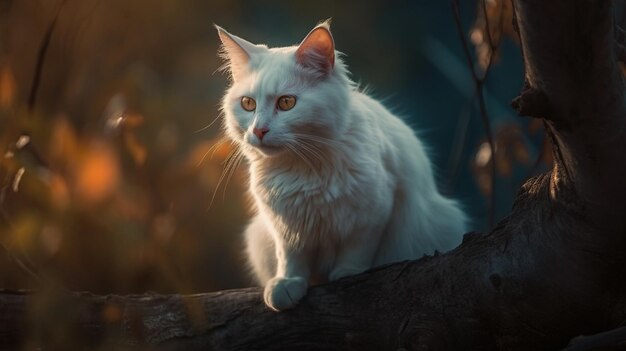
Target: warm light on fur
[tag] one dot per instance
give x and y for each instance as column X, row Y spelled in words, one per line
column 340, row 184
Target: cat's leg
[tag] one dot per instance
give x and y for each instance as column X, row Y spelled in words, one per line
column 356, row 255
column 260, row 250
column 289, row 285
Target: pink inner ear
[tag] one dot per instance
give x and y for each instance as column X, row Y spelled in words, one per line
column 317, row 46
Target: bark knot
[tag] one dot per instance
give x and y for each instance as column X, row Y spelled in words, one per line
column 532, row 102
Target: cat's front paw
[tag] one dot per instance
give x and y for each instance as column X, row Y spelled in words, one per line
column 341, row 272
column 283, row 293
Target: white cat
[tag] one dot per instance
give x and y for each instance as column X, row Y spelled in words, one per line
column 339, row 183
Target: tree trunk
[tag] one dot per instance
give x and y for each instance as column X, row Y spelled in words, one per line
column 553, row 270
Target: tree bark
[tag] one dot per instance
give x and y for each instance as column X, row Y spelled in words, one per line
column 553, row 270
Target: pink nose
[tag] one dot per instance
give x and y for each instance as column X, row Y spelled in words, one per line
column 260, row 132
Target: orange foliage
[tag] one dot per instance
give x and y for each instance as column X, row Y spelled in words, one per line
column 97, row 173
column 59, row 191
column 136, row 149
column 488, row 32
column 7, row 86
column 63, row 141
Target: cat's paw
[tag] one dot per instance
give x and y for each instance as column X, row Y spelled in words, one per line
column 283, row 293
column 341, row 272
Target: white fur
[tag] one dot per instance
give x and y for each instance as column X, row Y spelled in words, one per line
column 358, row 192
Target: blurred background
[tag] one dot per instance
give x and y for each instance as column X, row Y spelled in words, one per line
column 109, row 160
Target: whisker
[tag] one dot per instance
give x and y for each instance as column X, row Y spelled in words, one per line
column 311, row 149
column 232, row 170
column 227, row 164
column 313, row 143
column 318, row 139
column 317, row 147
column 208, row 126
column 302, row 157
column 212, row 148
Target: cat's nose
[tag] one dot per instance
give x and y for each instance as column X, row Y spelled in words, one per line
column 260, row 132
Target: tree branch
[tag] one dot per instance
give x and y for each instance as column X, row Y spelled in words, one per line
column 610, row 340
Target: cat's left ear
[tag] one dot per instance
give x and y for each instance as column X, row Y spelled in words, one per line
column 237, row 52
column 317, row 50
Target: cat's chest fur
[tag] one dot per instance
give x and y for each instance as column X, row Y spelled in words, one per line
column 329, row 204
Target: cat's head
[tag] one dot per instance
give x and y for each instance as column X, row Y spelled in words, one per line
column 283, row 99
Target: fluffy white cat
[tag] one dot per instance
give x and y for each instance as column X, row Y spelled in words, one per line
column 339, row 183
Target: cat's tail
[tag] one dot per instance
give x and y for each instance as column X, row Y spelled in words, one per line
column 421, row 225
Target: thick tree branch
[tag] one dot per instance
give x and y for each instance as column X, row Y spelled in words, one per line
column 610, row 340
column 553, row 270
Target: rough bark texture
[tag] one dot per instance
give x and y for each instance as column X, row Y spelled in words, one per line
column 553, row 270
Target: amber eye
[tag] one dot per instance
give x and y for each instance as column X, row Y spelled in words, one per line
column 248, row 103
column 286, row 102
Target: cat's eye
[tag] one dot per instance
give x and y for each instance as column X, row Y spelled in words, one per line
column 248, row 103
column 286, row 102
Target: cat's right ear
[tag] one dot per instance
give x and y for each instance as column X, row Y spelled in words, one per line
column 237, row 53
column 317, row 50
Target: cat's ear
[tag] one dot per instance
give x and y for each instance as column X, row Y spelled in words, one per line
column 317, row 50
column 237, row 52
